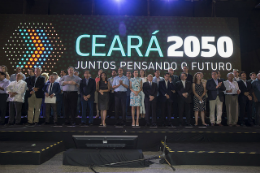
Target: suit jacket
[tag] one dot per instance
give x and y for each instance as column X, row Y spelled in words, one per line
column 88, row 89
column 163, row 90
column 212, row 90
column 180, row 90
column 38, row 84
column 244, row 89
column 150, row 91
column 55, row 88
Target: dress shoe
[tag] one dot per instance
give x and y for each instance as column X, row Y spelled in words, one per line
column 219, row 125
column 55, row 124
column 73, row 124
column 154, row 125
column 188, row 125
column 46, row 123
column 212, row 124
column 147, row 124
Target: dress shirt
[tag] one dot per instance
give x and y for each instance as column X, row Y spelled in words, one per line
column 116, row 82
column 244, row 82
column 183, row 83
column 4, row 83
column 18, row 87
column 231, row 85
column 110, row 80
column 13, row 77
column 58, row 79
column 70, row 87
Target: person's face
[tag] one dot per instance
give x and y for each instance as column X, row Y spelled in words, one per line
column 166, row 77
column 230, row 77
column 157, row 73
column 18, row 70
column 198, row 76
column 183, row 77
column 62, row 73
column 37, row 72
column 52, row 79
column 185, row 69
column 19, row 77
column 258, row 76
column 70, row 71
column 201, row 75
column 219, row 75
column 171, row 71
column 214, row 75
column 150, row 78
column 120, row 71
column 235, row 73
column 113, row 73
column 141, row 73
column 2, row 77
column 99, row 72
column 135, row 73
column 243, row 76
column 253, row 76
column 3, row 69
column 128, row 74
column 86, row 74
column 76, row 73
column 103, row 76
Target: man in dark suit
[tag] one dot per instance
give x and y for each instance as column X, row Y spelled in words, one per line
column 150, row 91
column 186, row 71
column 35, row 85
column 215, row 90
column 87, row 91
column 51, row 89
column 245, row 99
column 165, row 92
column 184, row 90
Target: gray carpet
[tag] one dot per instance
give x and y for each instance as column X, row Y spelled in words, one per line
column 55, row 166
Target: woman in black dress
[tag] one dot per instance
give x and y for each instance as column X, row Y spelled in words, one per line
column 103, row 89
column 199, row 90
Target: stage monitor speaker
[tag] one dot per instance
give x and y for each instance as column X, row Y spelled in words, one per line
column 106, row 141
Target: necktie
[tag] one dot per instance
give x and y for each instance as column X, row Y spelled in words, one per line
column 51, row 88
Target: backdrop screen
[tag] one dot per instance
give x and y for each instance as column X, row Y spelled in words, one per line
column 109, row 42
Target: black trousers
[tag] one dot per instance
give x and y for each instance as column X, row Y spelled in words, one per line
column 120, row 102
column 48, row 107
column 111, row 103
column 184, row 107
column 70, row 101
column 3, row 104
column 15, row 110
column 166, row 107
column 257, row 116
column 245, row 106
column 150, row 110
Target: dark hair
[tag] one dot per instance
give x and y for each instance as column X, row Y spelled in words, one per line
column 195, row 77
column 214, row 72
column 101, row 75
column 114, row 70
column 156, row 70
column 86, row 71
column 186, row 66
column 2, row 73
column 166, row 74
column 217, row 71
column 64, row 71
column 76, row 71
column 242, row 73
column 134, row 71
column 185, row 74
column 120, row 68
column 252, row 74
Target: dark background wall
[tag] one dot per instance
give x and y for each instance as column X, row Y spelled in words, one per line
column 244, row 10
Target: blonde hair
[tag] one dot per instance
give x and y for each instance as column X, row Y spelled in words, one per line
column 46, row 76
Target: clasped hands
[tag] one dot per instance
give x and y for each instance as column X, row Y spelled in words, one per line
column 47, row 95
column 12, row 94
column 86, row 97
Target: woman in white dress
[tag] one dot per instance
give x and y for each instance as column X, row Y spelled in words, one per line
column 142, row 108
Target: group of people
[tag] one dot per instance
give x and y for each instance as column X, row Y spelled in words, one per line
column 155, row 98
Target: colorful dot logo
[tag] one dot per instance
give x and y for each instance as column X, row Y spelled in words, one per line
column 34, row 45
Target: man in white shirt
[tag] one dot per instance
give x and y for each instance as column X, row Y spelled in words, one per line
column 236, row 75
column 231, row 99
column 3, row 96
column 16, row 91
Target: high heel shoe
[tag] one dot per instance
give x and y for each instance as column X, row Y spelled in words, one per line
column 137, row 125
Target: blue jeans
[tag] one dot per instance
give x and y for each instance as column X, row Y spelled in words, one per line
column 85, row 105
